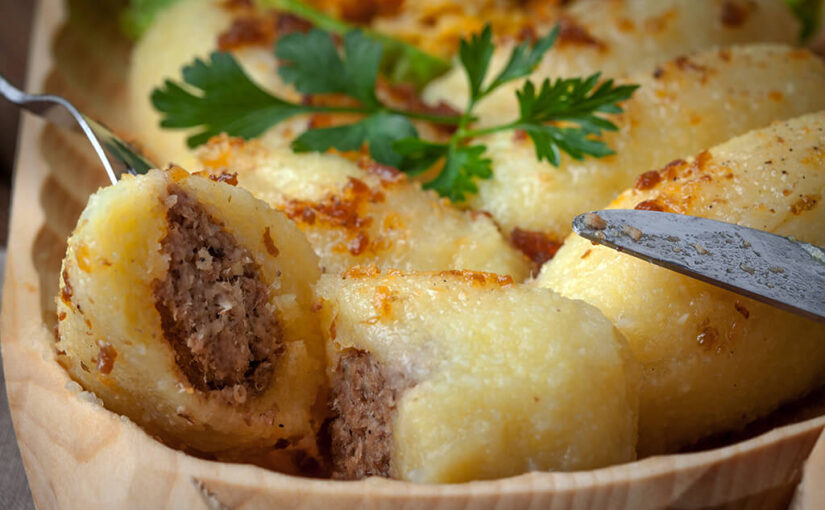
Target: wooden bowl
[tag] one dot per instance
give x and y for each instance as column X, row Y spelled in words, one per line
column 79, row 455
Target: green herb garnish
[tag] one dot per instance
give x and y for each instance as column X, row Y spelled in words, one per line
column 809, row 14
column 229, row 103
column 561, row 116
column 401, row 62
column 138, row 15
column 565, row 115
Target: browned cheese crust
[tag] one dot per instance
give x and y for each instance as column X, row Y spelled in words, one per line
column 213, row 305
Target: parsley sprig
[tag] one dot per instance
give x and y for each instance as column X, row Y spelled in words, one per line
column 809, row 14
column 400, row 62
column 138, row 15
column 565, row 115
column 561, row 116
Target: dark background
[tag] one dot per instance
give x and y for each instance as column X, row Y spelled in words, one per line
column 16, row 16
column 14, row 41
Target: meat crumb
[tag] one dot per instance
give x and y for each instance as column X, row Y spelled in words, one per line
column 595, row 221
column 632, row 232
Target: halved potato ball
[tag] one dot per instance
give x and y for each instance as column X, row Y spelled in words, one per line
column 713, row 360
column 185, row 304
column 455, row 376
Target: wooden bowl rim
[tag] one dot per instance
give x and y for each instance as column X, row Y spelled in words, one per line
column 21, row 293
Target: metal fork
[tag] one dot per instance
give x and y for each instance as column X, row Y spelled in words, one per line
column 117, row 155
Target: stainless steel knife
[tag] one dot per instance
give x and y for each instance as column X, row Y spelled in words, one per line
column 777, row 270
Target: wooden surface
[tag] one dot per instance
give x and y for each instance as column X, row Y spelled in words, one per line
column 78, row 455
column 14, row 488
column 14, row 41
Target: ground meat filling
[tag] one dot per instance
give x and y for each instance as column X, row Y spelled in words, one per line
column 364, row 401
column 213, row 305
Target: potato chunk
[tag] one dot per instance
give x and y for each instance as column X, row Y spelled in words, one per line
column 365, row 214
column 685, row 106
column 712, row 360
column 627, row 37
column 186, row 30
column 456, row 376
column 185, row 305
column 633, row 35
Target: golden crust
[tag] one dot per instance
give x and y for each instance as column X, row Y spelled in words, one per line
column 365, row 214
column 436, row 26
column 621, row 38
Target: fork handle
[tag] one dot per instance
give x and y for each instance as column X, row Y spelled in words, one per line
column 59, row 111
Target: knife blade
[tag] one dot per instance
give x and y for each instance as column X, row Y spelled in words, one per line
column 777, row 270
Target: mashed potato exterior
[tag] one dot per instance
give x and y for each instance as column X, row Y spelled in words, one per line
column 712, row 360
column 365, row 215
column 617, row 37
column 623, row 37
column 504, row 378
column 685, row 106
column 111, row 337
column 187, row 30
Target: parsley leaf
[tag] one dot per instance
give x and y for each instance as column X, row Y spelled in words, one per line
column 301, row 56
column 404, row 63
column 462, row 166
column 571, row 104
column 565, row 115
column 379, row 131
column 524, row 59
column 573, row 99
column 224, row 100
column 401, row 62
column 475, row 56
column 576, row 142
column 476, row 53
column 809, row 14
column 138, row 16
column 418, row 155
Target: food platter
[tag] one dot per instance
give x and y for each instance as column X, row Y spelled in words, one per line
column 79, row 455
